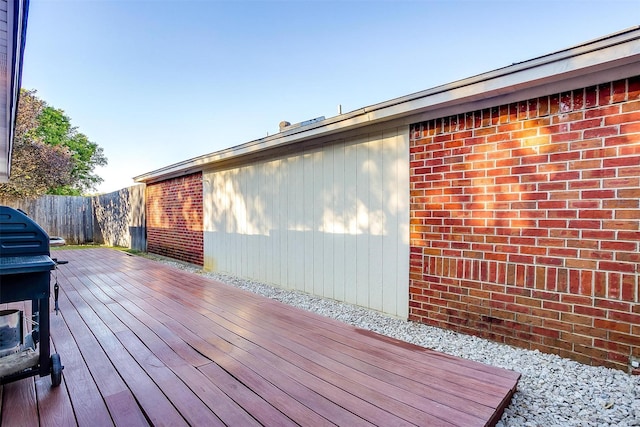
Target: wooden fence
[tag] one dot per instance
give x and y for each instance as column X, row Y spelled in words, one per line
column 70, row 217
column 120, row 218
column 115, row 219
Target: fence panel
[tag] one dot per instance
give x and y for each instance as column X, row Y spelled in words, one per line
column 115, row 219
column 120, row 218
column 70, row 217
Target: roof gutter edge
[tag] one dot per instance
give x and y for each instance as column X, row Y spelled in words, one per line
column 19, row 20
column 576, row 60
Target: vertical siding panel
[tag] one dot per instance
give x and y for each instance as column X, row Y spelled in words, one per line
column 245, row 209
column 390, row 239
column 207, row 218
column 234, row 223
column 260, row 197
column 327, row 221
column 237, row 226
column 274, row 230
column 218, row 230
column 260, row 193
column 226, row 241
column 212, row 207
column 339, row 223
column 253, row 222
column 294, row 205
column 250, row 208
column 308, row 198
column 362, row 223
column 332, row 221
column 297, row 248
column 219, row 204
column 254, row 218
column 264, row 192
column 402, row 262
column 237, row 223
column 350, row 215
column 225, row 197
column 286, row 201
column 212, row 224
column 377, row 224
column 317, row 265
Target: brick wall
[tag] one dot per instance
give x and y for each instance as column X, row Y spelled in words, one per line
column 525, row 223
column 174, row 218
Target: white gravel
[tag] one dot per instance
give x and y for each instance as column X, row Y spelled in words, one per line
column 552, row 391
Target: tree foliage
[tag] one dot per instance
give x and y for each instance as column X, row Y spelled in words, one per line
column 50, row 156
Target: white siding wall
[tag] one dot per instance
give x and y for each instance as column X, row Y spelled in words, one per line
column 331, row 221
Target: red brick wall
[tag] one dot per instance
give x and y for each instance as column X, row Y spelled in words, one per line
column 525, row 223
column 174, row 218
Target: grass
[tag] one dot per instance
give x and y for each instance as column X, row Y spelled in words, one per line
column 98, row 245
column 130, row 251
column 86, row 246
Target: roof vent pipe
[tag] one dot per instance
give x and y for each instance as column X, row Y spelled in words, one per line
column 284, row 124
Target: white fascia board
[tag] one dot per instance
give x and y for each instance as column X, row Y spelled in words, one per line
column 16, row 12
column 6, row 80
column 568, row 66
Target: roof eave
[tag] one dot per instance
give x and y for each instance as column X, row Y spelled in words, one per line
column 17, row 14
column 567, row 67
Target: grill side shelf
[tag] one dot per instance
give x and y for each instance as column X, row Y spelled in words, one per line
column 25, row 264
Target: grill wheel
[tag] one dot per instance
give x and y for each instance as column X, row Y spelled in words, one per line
column 56, row 370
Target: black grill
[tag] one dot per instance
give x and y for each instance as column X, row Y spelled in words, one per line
column 25, row 266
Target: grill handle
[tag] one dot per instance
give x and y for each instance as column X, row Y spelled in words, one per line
column 56, row 287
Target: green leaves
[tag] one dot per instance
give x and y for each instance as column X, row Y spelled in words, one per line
column 53, row 126
column 49, row 154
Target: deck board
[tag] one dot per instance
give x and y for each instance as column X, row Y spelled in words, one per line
column 120, row 402
column 264, row 343
column 387, row 366
column 234, row 338
column 144, row 343
column 53, row 408
column 88, row 405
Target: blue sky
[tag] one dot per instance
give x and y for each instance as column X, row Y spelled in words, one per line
column 158, row 82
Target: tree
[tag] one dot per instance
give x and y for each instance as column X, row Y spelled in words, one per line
column 55, row 129
column 50, row 156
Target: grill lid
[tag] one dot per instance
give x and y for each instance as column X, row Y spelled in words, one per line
column 20, row 235
column 24, row 245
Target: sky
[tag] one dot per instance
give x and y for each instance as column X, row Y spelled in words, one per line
column 158, row 82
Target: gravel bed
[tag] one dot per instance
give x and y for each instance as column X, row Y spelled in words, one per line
column 552, row 391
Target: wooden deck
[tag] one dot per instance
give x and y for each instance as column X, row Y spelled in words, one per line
column 146, row 344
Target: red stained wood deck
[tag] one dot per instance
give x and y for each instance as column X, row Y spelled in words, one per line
column 147, row 344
